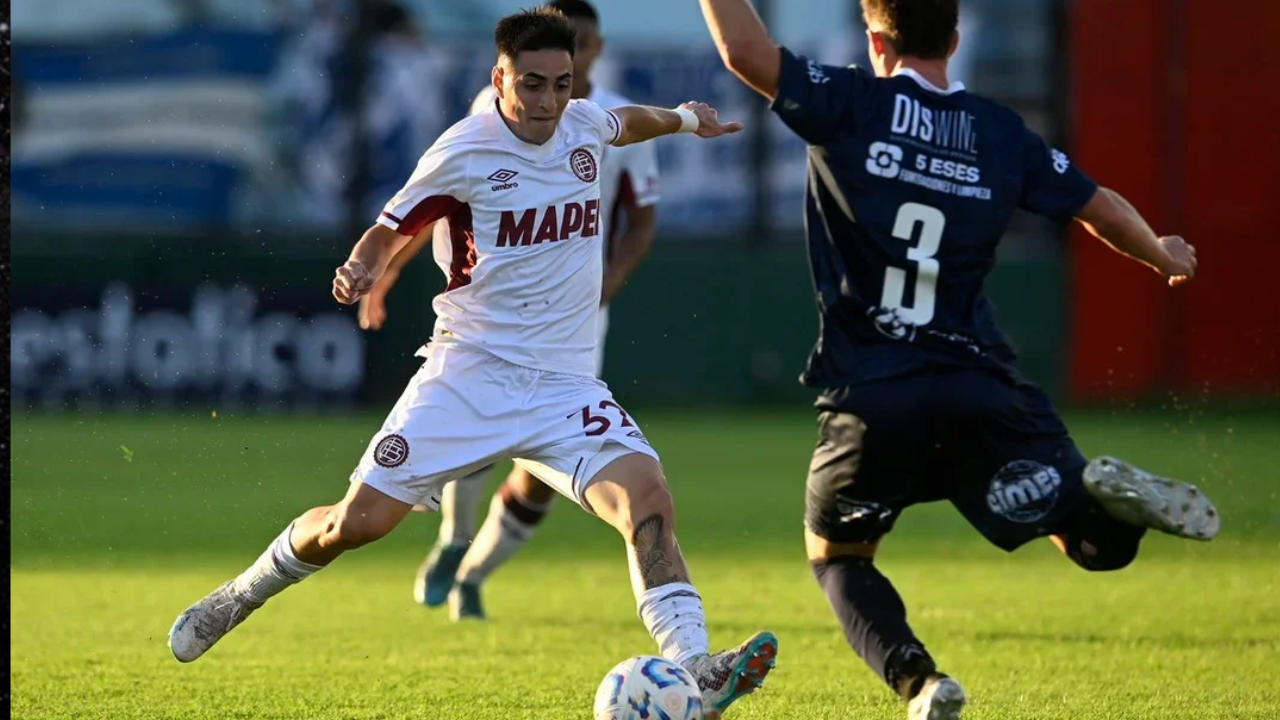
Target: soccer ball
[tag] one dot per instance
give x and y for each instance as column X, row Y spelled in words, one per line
column 648, row 688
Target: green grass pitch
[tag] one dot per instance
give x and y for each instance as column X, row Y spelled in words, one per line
column 119, row 523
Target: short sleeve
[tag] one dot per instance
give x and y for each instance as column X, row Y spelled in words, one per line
column 1051, row 185
column 604, row 122
column 435, row 189
column 818, row 101
column 640, row 166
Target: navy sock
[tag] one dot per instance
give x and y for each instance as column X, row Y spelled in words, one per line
column 875, row 622
column 1098, row 542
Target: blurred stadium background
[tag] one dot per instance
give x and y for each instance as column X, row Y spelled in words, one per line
column 191, row 171
column 187, row 173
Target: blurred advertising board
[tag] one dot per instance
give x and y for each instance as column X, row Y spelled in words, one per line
column 181, row 327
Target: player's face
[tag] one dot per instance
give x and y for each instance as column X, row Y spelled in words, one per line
column 590, row 44
column 533, row 91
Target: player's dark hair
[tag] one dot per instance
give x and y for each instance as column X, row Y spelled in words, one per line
column 576, row 9
column 918, row 28
column 543, row 28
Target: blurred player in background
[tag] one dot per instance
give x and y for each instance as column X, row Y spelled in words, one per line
column 456, row 567
column 912, row 184
column 509, row 371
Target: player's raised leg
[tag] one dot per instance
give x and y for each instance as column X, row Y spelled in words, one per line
column 630, row 493
column 458, row 503
column 1122, row 503
column 414, row 453
column 514, row 512
column 1138, row 498
column 309, row 544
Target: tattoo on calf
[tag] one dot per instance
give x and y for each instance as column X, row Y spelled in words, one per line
column 655, row 552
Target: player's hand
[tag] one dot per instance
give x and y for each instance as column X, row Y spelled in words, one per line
column 351, row 281
column 1180, row 265
column 373, row 311
column 709, row 124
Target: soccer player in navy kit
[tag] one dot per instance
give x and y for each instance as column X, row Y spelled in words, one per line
column 912, row 184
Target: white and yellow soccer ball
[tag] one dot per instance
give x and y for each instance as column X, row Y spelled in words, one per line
column 648, row 688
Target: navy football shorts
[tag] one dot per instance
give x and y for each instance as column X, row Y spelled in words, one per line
column 993, row 446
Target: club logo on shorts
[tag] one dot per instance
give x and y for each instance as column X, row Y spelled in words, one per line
column 583, row 165
column 391, row 451
column 1024, row 491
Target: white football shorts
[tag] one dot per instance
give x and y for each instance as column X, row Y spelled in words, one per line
column 466, row 409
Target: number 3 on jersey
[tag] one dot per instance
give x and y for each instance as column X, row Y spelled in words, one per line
column 931, row 222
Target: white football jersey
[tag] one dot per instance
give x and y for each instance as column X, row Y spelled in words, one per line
column 628, row 174
column 520, row 236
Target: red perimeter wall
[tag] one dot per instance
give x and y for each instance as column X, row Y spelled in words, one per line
column 1176, row 104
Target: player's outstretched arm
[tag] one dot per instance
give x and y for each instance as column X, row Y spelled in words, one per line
column 744, row 44
column 373, row 307
column 1110, row 218
column 367, row 262
column 641, row 122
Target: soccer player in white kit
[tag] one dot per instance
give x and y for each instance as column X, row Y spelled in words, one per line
column 461, row 560
column 509, row 371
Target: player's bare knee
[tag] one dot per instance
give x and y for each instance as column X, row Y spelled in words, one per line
column 352, row 526
column 530, row 487
column 819, row 549
column 628, row 491
column 652, row 497
column 646, row 499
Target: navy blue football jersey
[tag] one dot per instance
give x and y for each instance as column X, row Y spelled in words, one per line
column 910, row 189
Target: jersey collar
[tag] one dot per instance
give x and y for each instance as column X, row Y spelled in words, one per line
column 953, row 88
column 520, row 147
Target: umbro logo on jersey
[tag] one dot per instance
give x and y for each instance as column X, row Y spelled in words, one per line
column 502, row 179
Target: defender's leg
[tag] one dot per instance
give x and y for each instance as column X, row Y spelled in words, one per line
column 851, row 504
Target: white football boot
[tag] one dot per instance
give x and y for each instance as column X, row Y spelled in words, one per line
column 203, row 624
column 1135, row 496
column 941, row 698
column 730, row 675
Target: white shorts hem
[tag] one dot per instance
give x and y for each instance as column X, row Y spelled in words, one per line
column 396, row 492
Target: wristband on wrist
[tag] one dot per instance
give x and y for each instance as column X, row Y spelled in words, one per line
column 688, row 120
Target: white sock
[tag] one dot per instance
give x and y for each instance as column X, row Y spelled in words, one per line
column 458, row 507
column 275, row 569
column 674, row 616
column 501, row 536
